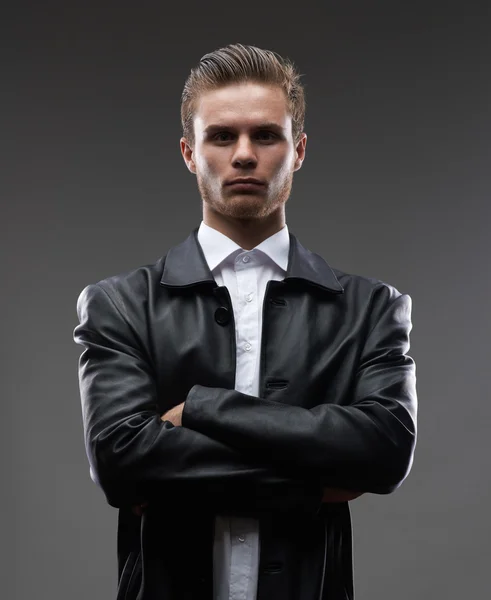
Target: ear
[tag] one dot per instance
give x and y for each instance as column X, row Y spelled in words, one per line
column 187, row 154
column 300, row 151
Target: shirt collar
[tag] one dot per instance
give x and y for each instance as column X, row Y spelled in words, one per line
column 217, row 246
column 184, row 265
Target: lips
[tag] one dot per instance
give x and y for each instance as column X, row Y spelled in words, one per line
column 244, row 181
column 246, row 188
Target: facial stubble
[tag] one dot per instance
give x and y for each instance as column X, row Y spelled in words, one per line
column 245, row 205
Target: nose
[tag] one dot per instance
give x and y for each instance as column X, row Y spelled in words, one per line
column 244, row 155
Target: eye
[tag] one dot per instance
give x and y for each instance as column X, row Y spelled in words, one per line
column 222, row 136
column 266, row 136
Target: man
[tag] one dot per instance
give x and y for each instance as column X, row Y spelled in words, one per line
column 239, row 392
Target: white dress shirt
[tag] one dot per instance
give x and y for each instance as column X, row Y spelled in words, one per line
column 245, row 273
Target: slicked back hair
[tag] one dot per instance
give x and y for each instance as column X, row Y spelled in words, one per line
column 237, row 63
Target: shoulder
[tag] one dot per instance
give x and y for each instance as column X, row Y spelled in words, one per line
column 372, row 296
column 374, row 302
column 125, row 290
column 365, row 285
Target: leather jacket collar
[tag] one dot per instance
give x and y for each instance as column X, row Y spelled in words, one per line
column 186, row 265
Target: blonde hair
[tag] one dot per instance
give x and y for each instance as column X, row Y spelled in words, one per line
column 237, row 63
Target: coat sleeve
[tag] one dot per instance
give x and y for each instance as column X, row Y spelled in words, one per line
column 134, row 455
column 365, row 445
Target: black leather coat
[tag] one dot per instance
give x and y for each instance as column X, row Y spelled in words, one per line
column 337, row 408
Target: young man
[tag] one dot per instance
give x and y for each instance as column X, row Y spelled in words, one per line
column 239, row 392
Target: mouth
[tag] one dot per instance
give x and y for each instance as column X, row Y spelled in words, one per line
column 238, row 180
column 245, row 185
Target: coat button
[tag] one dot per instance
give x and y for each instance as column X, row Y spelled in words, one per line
column 222, row 315
column 273, row 567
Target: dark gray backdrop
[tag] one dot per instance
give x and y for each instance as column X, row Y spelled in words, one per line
column 395, row 186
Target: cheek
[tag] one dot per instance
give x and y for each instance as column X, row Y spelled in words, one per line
column 281, row 169
column 281, row 164
column 208, row 166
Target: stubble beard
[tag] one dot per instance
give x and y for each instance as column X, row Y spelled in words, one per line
column 245, row 206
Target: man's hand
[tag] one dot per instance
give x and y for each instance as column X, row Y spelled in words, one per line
column 339, row 495
column 174, row 415
column 137, row 509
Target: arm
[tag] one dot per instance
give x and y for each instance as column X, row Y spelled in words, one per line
column 367, row 445
column 134, row 456
column 174, row 415
column 329, row 494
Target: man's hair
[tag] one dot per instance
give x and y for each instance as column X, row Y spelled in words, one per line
column 237, row 63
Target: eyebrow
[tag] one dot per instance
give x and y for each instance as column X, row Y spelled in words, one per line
column 270, row 125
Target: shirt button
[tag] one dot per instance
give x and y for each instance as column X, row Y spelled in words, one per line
column 249, row 297
column 241, row 538
column 246, row 258
column 247, row 347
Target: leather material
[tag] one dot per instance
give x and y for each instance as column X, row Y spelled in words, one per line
column 337, row 408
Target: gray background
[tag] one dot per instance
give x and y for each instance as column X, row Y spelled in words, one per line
column 395, row 185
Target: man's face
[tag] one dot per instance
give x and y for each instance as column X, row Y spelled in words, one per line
column 244, row 131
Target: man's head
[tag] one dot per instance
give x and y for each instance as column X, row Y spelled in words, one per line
column 242, row 114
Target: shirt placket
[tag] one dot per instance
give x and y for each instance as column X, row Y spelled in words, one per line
column 244, row 532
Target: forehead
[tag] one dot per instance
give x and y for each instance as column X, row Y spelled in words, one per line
column 242, row 104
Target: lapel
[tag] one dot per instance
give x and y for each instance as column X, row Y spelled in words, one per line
column 185, row 265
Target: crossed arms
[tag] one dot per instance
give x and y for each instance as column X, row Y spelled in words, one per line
column 340, row 450
column 174, row 415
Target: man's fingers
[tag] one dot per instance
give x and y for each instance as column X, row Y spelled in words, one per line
column 138, row 509
column 339, row 495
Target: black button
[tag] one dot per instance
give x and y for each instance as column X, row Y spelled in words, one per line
column 222, row 315
column 273, row 567
column 277, row 301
